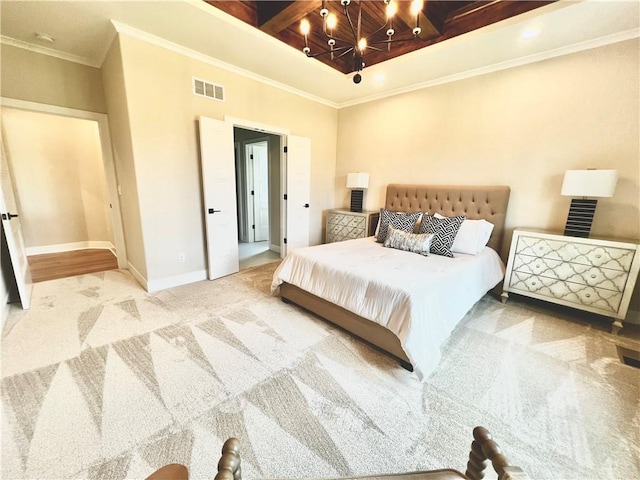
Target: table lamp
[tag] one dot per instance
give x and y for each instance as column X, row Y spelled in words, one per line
column 357, row 182
column 586, row 183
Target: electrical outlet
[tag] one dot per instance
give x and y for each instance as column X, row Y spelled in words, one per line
column 181, row 257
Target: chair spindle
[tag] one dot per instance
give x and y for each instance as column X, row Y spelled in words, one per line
column 229, row 464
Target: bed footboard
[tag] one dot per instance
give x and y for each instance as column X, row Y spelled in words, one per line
column 369, row 331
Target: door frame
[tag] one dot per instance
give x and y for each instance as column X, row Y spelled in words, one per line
column 283, row 133
column 102, row 120
column 13, row 240
column 249, row 199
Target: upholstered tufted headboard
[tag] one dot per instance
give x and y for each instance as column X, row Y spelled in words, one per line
column 476, row 202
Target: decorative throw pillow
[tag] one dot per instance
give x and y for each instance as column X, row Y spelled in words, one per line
column 400, row 220
column 409, row 242
column 444, row 232
column 472, row 237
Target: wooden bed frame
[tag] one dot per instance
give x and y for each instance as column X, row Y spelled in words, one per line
column 476, row 202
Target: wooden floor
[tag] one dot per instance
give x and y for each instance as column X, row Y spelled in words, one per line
column 67, row 264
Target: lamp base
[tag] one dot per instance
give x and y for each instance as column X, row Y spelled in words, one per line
column 580, row 217
column 356, row 200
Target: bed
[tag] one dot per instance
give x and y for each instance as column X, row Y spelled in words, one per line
column 403, row 303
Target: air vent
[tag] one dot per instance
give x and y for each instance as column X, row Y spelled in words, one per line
column 628, row 356
column 202, row 88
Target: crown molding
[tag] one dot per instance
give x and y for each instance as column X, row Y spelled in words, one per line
column 538, row 57
column 129, row 31
column 49, row 51
column 121, row 28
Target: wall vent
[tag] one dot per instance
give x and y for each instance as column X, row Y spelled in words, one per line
column 628, row 356
column 202, row 88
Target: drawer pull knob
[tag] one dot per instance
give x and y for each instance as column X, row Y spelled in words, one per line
column 533, row 283
column 598, row 256
column 588, row 295
column 537, row 266
column 593, row 276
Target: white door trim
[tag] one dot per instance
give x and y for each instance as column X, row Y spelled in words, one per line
column 102, row 120
column 259, row 127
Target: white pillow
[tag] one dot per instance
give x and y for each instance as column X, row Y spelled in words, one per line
column 472, row 236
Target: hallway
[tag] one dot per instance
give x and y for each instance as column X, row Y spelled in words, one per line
column 255, row 253
column 50, row 266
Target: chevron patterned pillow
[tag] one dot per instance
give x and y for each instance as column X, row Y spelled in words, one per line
column 444, row 232
column 400, row 220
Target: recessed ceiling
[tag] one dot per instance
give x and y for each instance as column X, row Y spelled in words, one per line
column 83, row 31
column 438, row 21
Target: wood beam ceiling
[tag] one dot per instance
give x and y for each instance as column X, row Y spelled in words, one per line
column 439, row 20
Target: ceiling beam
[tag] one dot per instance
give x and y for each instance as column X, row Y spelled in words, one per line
column 428, row 27
column 244, row 11
column 481, row 14
column 274, row 17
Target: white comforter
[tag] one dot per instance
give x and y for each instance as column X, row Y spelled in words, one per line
column 420, row 299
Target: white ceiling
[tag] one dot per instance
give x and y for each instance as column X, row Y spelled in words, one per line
column 83, row 31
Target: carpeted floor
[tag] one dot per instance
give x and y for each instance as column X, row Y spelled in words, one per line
column 102, row 380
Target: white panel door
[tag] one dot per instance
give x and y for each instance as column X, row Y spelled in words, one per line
column 13, row 233
column 260, row 158
column 219, row 191
column 298, row 192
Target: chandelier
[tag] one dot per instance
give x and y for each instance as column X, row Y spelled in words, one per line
column 359, row 42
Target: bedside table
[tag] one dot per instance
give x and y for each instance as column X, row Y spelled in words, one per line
column 591, row 274
column 346, row 225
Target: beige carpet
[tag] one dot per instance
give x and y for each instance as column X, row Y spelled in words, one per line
column 102, row 380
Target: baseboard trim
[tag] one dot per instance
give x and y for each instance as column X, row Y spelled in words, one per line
column 176, row 280
column 68, row 247
column 274, row 248
column 138, row 276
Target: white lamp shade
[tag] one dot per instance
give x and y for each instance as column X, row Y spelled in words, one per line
column 589, row 183
column 358, row 180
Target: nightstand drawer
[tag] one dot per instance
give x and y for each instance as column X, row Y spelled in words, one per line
column 344, row 232
column 573, row 272
column 340, row 221
column 575, row 252
column 345, row 225
column 607, row 301
column 593, row 274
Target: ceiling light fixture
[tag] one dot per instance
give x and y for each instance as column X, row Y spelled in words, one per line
column 360, row 42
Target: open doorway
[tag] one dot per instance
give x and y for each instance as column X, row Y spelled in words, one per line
column 289, row 191
column 64, row 182
column 257, row 161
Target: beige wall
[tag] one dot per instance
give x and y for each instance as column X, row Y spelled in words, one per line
column 59, row 177
column 521, row 127
column 163, row 117
column 116, row 99
column 33, row 77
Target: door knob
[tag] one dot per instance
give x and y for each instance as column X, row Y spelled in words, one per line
column 306, row 205
column 211, row 210
column 8, row 216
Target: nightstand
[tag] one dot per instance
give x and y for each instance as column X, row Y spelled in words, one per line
column 346, row 225
column 591, row 274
